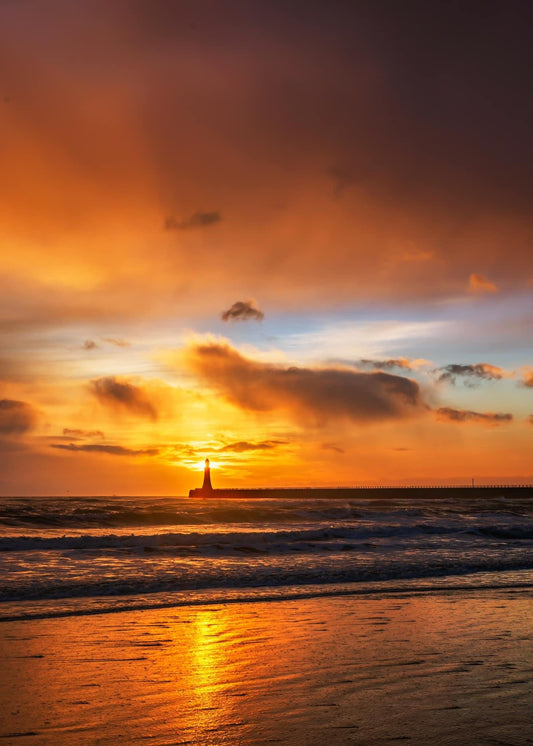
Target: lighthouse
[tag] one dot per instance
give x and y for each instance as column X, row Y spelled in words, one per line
column 206, row 486
column 206, row 490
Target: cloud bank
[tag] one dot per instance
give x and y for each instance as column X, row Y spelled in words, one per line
column 320, row 395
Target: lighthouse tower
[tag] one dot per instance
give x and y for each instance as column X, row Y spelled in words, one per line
column 206, row 486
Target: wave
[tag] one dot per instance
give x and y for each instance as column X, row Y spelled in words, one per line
column 245, row 575
column 85, row 548
column 258, row 541
column 102, row 514
column 80, row 513
column 273, row 540
column 515, row 581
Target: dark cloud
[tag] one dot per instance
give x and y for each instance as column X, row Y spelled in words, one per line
column 198, row 220
column 109, row 449
column 76, row 433
column 447, row 414
column 89, row 344
column 243, row 311
column 332, row 447
column 320, row 394
column 242, row 446
column 402, row 363
column 116, row 342
column 470, row 374
column 16, row 417
column 123, row 395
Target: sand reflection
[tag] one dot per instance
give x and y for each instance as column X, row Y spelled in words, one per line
column 209, row 658
column 430, row 668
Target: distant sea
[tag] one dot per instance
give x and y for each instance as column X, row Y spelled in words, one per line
column 62, row 556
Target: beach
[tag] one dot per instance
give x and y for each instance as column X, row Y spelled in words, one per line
column 293, row 621
column 446, row 667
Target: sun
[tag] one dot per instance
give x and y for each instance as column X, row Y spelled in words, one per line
column 200, row 466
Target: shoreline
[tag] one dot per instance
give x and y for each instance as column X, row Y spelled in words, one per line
column 482, row 581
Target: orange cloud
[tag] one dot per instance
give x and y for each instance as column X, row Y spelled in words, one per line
column 317, row 394
column 481, row 285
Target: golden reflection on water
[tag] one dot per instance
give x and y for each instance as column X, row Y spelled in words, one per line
column 209, row 662
column 425, row 667
column 206, row 665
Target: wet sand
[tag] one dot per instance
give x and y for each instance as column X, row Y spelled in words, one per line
column 439, row 668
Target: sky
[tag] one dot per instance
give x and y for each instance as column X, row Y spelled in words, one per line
column 292, row 237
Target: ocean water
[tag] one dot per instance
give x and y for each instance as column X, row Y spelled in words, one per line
column 61, row 556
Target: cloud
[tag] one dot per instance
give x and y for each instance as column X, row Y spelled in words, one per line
column 481, row 285
column 16, row 417
column 89, row 344
column 109, row 449
column 331, row 447
column 122, row 395
column 198, row 220
column 243, row 311
column 527, row 379
column 316, row 394
column 403, row 363
column 76, row 433
column 530, row 419
column 242, row 446
column 471, row 373
column 447, row 414
column 116, row 342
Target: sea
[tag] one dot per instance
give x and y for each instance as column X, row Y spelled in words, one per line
column 66, row 556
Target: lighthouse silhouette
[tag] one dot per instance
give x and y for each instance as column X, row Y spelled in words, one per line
column 206, row 486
